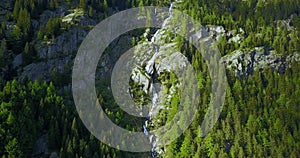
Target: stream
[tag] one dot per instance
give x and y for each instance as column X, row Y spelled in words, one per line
column 155, row 88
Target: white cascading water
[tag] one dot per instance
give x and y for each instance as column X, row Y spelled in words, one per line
column 153, row 110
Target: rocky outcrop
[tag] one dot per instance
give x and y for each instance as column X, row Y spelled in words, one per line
column 244, row 62
column 109, row 58
column 41, row 147
column 18, row 60
column 60, row 52
column 64, row 45
column 43, row 70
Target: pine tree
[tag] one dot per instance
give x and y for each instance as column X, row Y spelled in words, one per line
column 23, row 21
column 83, row 4
column 16, row 10
column 2, row 52
column 16, row 36
column 13, row 149
column 68, row 2
column 74, row 128
column 90, row 11
column 10, row 119
column 54, row 134
column 186, row 149
column 53, row 4
column 26, row 49
column 70, row 151
column 241, row 153
column 105, row 7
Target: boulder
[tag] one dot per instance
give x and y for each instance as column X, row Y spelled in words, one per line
column 18, row 60
column 244, row 62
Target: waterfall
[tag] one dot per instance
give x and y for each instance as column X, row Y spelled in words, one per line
column 151, row 71
column 153, row 110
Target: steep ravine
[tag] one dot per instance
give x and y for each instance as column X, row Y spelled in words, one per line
column 60, row 53
column 242, row 62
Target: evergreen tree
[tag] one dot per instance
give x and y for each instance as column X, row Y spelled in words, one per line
column 53, row 4
column 105, row 7
column 186, row 149
column 83, row 4
column 90, row 11
column 3, row 49
column 68, row 2
column 23, row 21
column 16, row 10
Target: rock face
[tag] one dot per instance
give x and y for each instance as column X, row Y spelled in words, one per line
column 155, row 58
column 56, row 54
column 53, row 155
column 17, row 61
column 243, row 62
column 44, row 69
column 141, row 78
column 64, row 45
column 108, row 59
column 41, row 147
column 59, row 53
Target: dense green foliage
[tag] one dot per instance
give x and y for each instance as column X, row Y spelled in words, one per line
column 255, row 122
column 261, row 113
column 30, row 109
column 26, row 110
